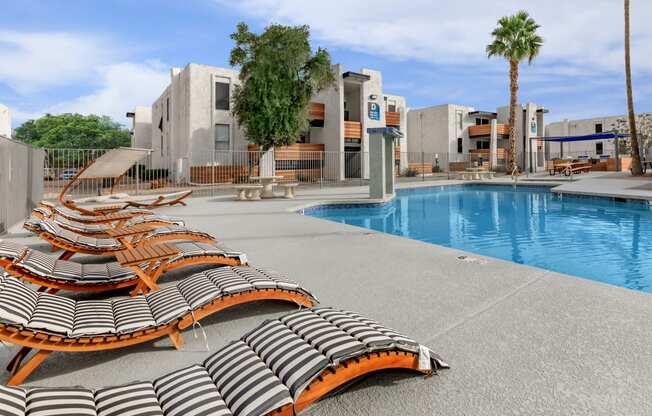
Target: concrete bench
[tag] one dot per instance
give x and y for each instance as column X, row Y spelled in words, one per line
column 289, row 189
column 248, row 192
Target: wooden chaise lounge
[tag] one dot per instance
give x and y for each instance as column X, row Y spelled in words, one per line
column 146, row 202
column 137, row 269
column 114, row 218
column 102, row 229
column 45, row 322
column 118, row 240
column 286, row 365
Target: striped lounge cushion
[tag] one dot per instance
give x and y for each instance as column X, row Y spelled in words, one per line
column 198, row 290
column 155, row 218
column 331, row 341
column 190, row 392
column 295, row 362
column 137, row 399
column 12, row 401
column 38, row 263
column 189, row 249
column 174, row 229
column 93, row 317
column 10, row 250
column 371, row 337
column 60, row 401
column 80, row 226
column 245, row 383
column 17, row 302
column 228, row 281
column 132, row 314
column 53, row 313
column 167, row 304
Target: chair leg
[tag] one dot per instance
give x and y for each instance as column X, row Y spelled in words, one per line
column 66, row 255
column 18, row 358
column 19, row 376
column 177, row 339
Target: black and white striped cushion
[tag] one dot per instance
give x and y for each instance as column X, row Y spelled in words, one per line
column 53, row 314
column 93, row 317
column 10, row 250
column 349, row 322
column 75, row 215
column 118, row 273
column 80, row 226
column 167, row 304
column 189, row 249
column 282, row 282
column 132, row 314
column 254, row 277
column 60, row 401
column 138, row 399
column 197, row 290
column 67, row 270
column 228, row 281
column 174, row 229
column 37, row 262
column 245, row 383
column 190, row 392
column 95, row 273
column 12, row 401
column 400, row 341
column 155, row 218
column 295, row 362
column 327, row 338
column 17, row 302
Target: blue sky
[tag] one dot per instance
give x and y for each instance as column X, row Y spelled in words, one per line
column 108, row 56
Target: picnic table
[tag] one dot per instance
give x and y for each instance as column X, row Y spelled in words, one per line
column 268, row 183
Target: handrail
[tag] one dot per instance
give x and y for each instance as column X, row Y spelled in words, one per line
column 514, row 176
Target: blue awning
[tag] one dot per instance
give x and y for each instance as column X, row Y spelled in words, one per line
column 597, row 136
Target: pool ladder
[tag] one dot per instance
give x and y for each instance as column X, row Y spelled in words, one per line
column 515, row 176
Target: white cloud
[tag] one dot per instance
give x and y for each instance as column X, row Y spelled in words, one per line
column 122, row 87
column 580, row 35
column 32, row 61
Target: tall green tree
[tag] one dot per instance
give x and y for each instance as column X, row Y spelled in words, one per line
column 637, row 169
column 74, row 131
column 515, row 39
column 279, row 75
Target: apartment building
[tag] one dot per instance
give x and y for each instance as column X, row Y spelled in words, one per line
column 5, row 121
column 583, row 127
column 191, row 123
column 458, row 134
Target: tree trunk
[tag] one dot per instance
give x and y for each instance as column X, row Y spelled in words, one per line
column 636, row 156
column 513, row 89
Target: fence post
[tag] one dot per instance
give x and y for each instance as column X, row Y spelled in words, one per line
column 423, row 176
column 137, row 178
column 321, row 170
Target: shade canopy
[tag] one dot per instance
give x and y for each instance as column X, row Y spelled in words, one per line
column 597, row 136
column 113, row 163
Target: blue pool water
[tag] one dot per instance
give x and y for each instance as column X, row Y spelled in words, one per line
column 595, row 238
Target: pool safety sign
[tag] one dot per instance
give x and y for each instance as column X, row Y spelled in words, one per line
column 374, row 111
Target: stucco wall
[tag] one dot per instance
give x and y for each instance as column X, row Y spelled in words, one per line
column 580, row 128
column 21, row 181
column 5, row 121
column 142, row 128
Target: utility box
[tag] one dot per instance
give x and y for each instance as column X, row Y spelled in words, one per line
column 381, row 161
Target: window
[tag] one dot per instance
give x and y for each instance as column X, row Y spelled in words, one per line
column 460, row 120
column 346, row 111
column 460, row 147
column 222, row 101
column 481, row 121
column 598, row 129
column 222, row 137
column 482, row 144
column 391, row 106
column 167, row 109
column 599, row 148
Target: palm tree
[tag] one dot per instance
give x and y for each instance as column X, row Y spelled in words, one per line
column 636, row 155
column 515, row 39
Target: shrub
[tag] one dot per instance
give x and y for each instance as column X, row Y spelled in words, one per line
column 410, row 172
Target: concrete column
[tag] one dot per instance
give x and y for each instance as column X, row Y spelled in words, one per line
column 381, row 162
column 493, row 145
column 267, row 164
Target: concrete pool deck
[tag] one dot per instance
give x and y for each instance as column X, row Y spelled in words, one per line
column 520, row 340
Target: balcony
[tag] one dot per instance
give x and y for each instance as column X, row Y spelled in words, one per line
column 485, row 130
column 317, row 111
column 352, row 130
column 392, row 119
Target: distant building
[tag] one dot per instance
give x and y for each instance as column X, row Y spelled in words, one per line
column 191, row 123
column 582, row 127
column 460, row 134
column 5, row 121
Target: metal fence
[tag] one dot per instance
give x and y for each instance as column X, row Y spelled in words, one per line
column 222, row 169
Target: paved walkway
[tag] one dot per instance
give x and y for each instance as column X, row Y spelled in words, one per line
column 520, row 340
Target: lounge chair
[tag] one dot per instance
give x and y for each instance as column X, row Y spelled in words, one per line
column 147, row 202
column 281, row 367
column 45, row 322
column 53, row 274
column 115, row 218
column 72, row 242
column 102, row 230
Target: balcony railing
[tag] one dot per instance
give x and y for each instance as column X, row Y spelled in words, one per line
column 393, row 118
column 485, row 130
column 352, row 130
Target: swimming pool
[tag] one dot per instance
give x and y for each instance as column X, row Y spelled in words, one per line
column 595, row 238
